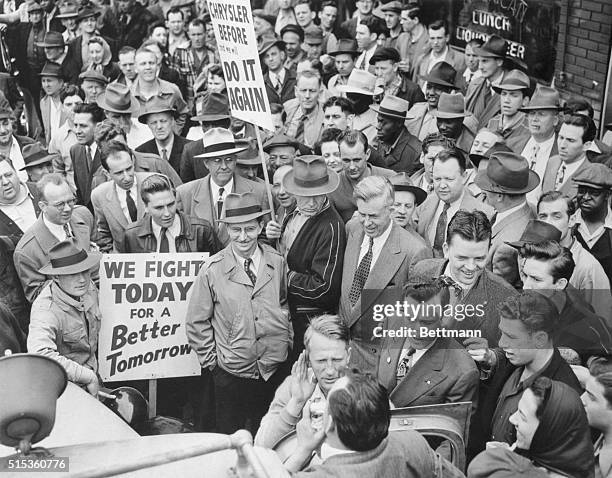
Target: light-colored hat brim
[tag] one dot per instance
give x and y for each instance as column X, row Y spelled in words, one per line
column 223, row 152
column 376, row 109
column 360, row 91
column 292, row 188
column 101, row 101
column 443, row 115
column 210, row 118
column 243, row 218
column 93, row 259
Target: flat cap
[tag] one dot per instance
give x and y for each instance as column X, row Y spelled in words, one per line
column 313, row 35
column 291, row 28
column 393, row 6
column 595, row 175
column 385, row 53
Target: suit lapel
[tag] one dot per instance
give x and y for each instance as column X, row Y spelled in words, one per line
column 202, row 199
column 499, row 226
column 550, row 174
column 114, row 206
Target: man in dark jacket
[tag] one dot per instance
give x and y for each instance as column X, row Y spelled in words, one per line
column 163, row 228
column 313, row 239
column 128, row 24
column 280, row 81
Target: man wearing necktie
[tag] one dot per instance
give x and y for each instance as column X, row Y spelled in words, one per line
column 238, row 319
column 379, row 255
column 412, row 367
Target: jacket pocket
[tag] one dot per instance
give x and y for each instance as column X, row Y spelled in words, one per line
column 74, row 336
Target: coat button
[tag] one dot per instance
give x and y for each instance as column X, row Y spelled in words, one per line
column 388, row 359
column 373, row 351
column 256, row 319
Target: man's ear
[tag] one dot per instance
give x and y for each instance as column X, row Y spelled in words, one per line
column 541, row 339
column 331, row 426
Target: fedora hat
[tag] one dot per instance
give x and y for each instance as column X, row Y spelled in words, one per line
column 68, row 10
column 242, row 208
column 507, row 173
column 514, row 80
column 51, row 69
column 537, row 231
column 219, row 142
column 248, row 157
column 310, row 176
column 52, row 40
column 93, row 75
column 117, row 98
column 345, row 46
column 494, row 47
column 442, row 74
column 155, row 105
column 215, row 107
column 361, row 82
column 544, row 98
column 280, row 140
column 269, row 42
column 67, row 257
column 402, row 182
column 497, row 147
column 393, row 107
column 34, row 155
column 260, row 13
column 451, row 105
column 87, row 12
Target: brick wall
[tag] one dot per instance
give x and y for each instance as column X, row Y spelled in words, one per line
column 583, row 50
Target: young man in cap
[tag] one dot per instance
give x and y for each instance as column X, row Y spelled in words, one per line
column 354, row 154
column 65, row 318
column 439, row 36
column 313, row 42
column 407, row 198
column 55, row 51
column 11, row 145
column 594, row 220
column 344, row 54
column 589, row 276
column 68, row 16
column 304, row 113
column 280, row 82
column 360, row 90
column 293, row 37
column 87, row 19
column 572, row 141
column 386, row 67
column 148, row 86
column 451, row 118
column 213, row 113
column 367, row 34
column 204, row 197
column 246, row 358
column 480, row 98
column 507, row 181
column 514, row 92
column 450, row 195
column 397, row 149
column 163, row 228
column 441, row 79
column 391, row 12
column 52, row 114
column 38, row 163
column 543, row 118
column 93, row 85
column 312, row 239
column 160, row 116
column 379, row 254
column 60, row 219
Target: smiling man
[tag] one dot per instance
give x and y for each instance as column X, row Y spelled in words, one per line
column 238, row 322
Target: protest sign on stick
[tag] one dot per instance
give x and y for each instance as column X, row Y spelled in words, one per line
column 143, row 301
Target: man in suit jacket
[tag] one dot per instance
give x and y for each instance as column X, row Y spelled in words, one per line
column 159, row 116
column 53, row 115
column 573, row 138
column 421, row 369
column 507, row 181
column 117, row 203
column 450, row 195
column 480, row 99
column 280, row 82
column 379, row 255
column 59, row 219
column 204, row 197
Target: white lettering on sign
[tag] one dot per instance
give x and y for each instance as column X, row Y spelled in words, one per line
column 493, row 20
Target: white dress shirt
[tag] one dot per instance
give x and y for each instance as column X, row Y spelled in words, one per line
column 17, row 160
column 569, row 170
column 168, row 147
column 214, row 190
column 277, row 79
column 591, row 238
column 541, row 157
column 363, row 61
column 122, row 195
column 452, row 209
column 57, row 230
column 22, row 212
column 377, row 245
column 255, row 258
column 171, row 233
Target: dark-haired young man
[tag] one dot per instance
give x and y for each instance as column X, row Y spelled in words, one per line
column 367, row 33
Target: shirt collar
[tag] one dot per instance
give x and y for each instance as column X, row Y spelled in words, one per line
column 256, row 258
column 502, row 215
column 229, row 187
column 380, row 239
column 55, row 229
column 168, row 147
column 174, row 229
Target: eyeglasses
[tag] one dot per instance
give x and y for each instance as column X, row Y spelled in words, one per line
column 60, row 206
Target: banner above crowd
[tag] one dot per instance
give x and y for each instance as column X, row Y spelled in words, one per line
column 235, row 34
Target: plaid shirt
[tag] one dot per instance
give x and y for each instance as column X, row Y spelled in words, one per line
column 186, row 62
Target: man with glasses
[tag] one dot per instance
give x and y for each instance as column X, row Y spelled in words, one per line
column 61, row 219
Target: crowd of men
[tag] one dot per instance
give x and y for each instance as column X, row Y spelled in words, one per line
column 402, row 170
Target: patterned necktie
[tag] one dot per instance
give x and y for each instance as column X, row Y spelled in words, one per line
column 534, row 156
column 249, row 272
column 131, row 205
column 89, row 158
column 164, row 245
column 361, row 275
column 403, row 365
column 67, row 231
column 493, row 219
column 220, row 202
column 299, row 132
column 440, row 231
column 560, row 177
column 164, row 154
